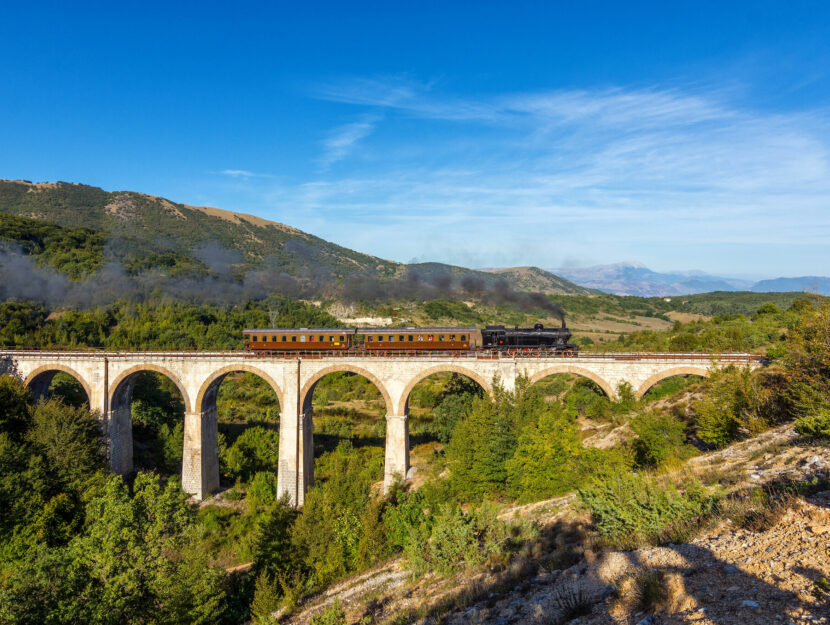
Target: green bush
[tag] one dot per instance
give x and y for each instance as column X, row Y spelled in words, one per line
column 817, row 425
column 736, row 402
column 479, row 447
column 456, row 540
column 449, row 413
column 266, row 600
column 403, row 519
column 546, row 460
column 262, row 491
column 332, row 615
column 659, row 437
column 256, row 449
column 630, row 510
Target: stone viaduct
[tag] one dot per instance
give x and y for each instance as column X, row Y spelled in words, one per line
column 109, row 378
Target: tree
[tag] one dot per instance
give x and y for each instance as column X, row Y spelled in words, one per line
column 808, row 357
column 659, row 437
column 134, row 563
column 482, row 443
column 14, row 406
column 70, row 438
column 545, row 461
column 736, row 402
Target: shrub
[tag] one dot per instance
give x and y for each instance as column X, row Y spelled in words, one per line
column 545, row 463
column 255, row 450
column 403, row 518
column 659, row 437
column 262, row 490
column 716, row 424
column 447, row 414
column 816, row 425
column 651, row 590
column 737, row 401
column 456, row 539
column 266, row 600
column 332, row 615
column 479, row 448
column 630, row 510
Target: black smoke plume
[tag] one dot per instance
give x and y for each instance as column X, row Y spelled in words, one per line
column 225, row 281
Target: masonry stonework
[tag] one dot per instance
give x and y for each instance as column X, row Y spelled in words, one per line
column 109, row 377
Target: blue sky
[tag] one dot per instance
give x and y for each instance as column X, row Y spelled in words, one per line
column 682, row 135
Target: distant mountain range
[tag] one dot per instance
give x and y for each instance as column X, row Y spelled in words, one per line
column 630, row 278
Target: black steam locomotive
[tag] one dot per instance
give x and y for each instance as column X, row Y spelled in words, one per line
column 500, row 337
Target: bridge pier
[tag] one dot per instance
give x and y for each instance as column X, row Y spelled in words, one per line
column 396, row 458
column 118, row 432
column 200, row 459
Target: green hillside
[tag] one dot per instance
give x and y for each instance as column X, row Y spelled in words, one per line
column 146, row 233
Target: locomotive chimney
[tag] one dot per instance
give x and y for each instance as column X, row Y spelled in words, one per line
column 563, row 323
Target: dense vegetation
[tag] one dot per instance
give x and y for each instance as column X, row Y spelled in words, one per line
column 166, row 561
column 764, row 330
column 170, row 325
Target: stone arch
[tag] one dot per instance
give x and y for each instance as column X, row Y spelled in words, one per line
column 668, row 373
column 403, row 406
column 211, row 385
column 585, row 373
column 125, row 375
column 39, row 379
column 308, row 388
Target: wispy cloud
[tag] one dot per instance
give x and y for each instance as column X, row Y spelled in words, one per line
column 341, row 142
column 598, row 174
column 243, row 173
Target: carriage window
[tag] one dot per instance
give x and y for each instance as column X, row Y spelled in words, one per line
column 430, row 337
column 452, row 337
column 371, row 338
column 331, row 339
column 380, row 338
column 302, row 338
column 463, row 337
column 440, row 337
column 342, row 338
column 411, row 338
column 255, row 338
column 420, row 337
column 391, row 337
column 284, row 338
column 311, row 338
column 293, row 339
column 273, row 339
column 400, row 338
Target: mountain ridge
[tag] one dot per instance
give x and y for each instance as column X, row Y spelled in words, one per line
column 632, row 278
column 209, row 241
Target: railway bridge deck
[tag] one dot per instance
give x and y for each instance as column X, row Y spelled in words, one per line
column 108, row 377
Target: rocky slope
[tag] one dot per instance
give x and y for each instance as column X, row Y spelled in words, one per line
column 726, row 575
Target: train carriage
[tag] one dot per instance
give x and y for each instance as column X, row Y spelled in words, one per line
column 299, row 339
column 417, row 339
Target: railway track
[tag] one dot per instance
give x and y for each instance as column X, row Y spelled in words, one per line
column 736, row 357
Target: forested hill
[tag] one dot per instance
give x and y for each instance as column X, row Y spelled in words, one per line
column 154, row 223
column 80, row 230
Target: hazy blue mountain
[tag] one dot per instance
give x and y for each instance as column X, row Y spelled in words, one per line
column 630, row 278
column 804, row 283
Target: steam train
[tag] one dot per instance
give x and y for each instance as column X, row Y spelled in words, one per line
column 411, row 339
